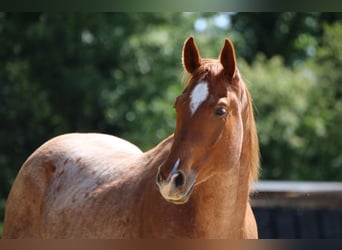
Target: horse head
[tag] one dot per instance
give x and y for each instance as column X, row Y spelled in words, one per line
column 211, row 117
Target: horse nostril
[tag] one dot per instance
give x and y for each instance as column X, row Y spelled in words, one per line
column 159, row 178
column 179, row 180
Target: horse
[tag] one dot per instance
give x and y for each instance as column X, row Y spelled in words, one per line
column 194, row 184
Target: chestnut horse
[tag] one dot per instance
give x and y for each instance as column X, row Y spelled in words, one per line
column 194, row 184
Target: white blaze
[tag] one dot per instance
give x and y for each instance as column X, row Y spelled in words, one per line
column 198, row 95
column 175, row 168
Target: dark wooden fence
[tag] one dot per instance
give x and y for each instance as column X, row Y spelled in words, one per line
column 292, row 210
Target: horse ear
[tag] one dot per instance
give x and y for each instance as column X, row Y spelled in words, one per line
column 227, row 58
column 191, row 57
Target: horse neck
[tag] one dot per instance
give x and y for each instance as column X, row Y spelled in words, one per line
column 157, row 155
column 221, row 203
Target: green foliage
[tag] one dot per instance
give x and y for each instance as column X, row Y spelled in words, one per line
column 324, row 150
column 298, row 111
column 292, row 35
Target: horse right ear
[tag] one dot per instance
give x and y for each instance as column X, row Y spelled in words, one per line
column 191, row 57
column 227, row 58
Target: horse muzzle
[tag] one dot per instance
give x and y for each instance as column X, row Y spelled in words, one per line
column 177, row 188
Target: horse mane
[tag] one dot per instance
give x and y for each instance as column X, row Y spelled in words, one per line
column 251, row 153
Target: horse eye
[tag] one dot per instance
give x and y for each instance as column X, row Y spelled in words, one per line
column 220, row 111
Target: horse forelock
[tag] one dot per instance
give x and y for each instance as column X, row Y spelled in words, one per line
column 206, row 68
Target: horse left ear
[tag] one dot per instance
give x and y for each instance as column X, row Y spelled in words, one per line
column 227, row 58
column 191, row 57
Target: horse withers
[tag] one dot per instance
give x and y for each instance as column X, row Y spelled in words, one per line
column 194, row 184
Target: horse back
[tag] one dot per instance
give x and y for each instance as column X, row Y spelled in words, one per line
column 65, row 177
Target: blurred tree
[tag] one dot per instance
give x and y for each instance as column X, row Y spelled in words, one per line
column 298, row 112
column 322, row 123
column 293, row 35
